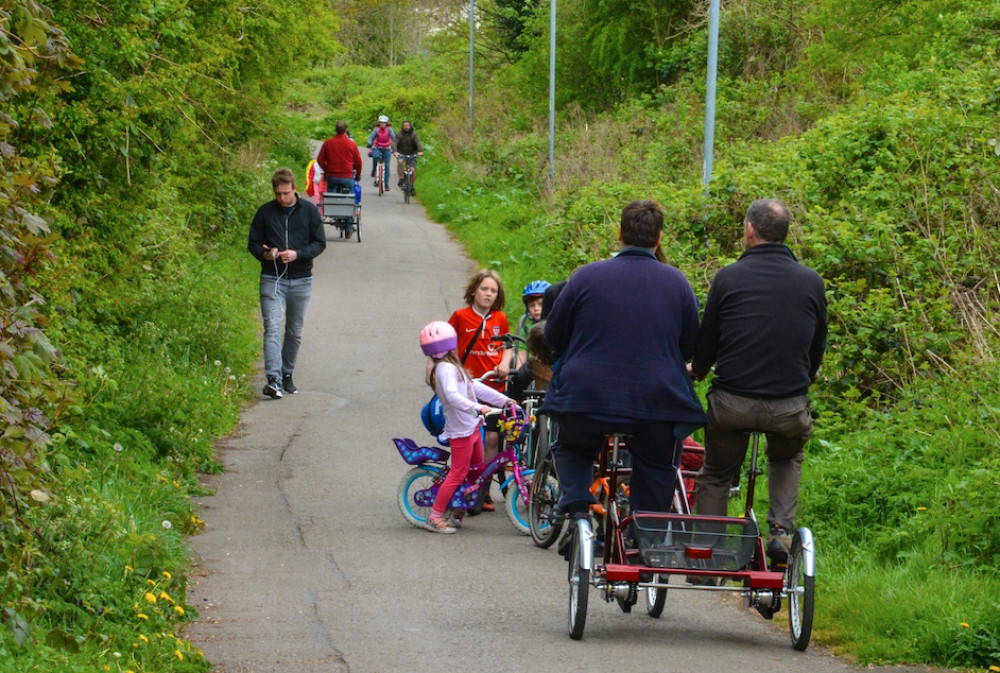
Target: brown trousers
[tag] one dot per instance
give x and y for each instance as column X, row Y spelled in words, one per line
column 788, row 424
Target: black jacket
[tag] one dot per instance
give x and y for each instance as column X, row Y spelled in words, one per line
column 765, row 325
column 300, row 230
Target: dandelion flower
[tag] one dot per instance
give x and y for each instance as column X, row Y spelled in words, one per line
column 151, row 583
column 964, row 625
column 142, row 616
column 167, row 575
column 179, row 610
column 180, row 655
column 995, row 669
column 165, row 596
column 921, row 509
column 130, row 569
column 166, row 524
column 218, row 363
column 116, row 655
column 143, row 638
column 118, row 447
column 149, row 597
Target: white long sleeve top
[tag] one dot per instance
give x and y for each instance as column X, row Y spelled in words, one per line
column 460, row 400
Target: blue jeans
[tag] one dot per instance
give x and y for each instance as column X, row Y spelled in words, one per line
column 383, row 155
column 283, row 298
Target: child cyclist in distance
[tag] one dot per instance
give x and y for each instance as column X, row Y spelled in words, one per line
column 463, row 414
column 475, row 325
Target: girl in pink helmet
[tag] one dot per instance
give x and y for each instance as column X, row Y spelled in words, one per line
column 460, row 397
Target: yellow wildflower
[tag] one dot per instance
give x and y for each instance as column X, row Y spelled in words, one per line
column 149, row 597
column 921, row 509
column 167, row 575
column 964, row 625
column 165, row 596
column 142, row 616
column 151, row 583
column 130, row 569
column 180, row 655
column 995, row 669
column 143, row 638
column 179, row 610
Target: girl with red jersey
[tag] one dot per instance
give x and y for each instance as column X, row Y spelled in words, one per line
column 475, row 324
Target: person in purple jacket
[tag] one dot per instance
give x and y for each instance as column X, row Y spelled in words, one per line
column 625, row 328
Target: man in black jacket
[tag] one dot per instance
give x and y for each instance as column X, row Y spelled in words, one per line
column 764, row 328
column 407, row 143
column 285, row 235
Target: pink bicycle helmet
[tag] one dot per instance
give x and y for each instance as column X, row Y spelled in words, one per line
column 437, row 338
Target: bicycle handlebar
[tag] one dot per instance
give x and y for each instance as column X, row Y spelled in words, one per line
column 508, row 339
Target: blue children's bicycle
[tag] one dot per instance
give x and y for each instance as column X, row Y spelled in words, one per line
column 419, row 486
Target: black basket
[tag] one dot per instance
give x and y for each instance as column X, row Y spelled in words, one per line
column 691, row 542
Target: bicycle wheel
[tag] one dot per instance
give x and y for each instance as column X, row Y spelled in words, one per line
column 406, row 187
column 514, row 505
column 542, row 519
column 413, row 483
column 656, row 598
column 381, row 186
column 800, row 585
column 579, row 580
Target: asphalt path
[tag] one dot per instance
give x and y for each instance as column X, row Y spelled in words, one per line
column 306, row 564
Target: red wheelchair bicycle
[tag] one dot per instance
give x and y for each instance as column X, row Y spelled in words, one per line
column 642, row 550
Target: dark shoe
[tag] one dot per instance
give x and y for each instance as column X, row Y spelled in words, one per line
column 413, row 191
column 399, row 183
column 287, row 385
column 273, row 388
column 349, row 233
column 778, row 543
column 488, row 505
column 374, row 184
column 386, row 188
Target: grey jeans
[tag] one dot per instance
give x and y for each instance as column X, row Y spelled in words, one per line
column 788, row 424
column 283, row 298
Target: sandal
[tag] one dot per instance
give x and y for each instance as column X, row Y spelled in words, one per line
column 437, row 524
column 455, row 520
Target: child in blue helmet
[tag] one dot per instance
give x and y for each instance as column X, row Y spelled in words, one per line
column 534, row 293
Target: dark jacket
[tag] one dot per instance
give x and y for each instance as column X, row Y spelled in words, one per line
column 407, row 142
column 625, row 328
column 300, row 230
column 765, row 325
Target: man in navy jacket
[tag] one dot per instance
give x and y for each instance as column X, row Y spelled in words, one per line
column 625, row 328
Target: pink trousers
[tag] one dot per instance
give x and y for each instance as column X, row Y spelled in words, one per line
column 465, row 451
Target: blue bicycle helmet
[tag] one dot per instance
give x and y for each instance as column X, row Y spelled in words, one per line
column 535, row 288
column 432, row 416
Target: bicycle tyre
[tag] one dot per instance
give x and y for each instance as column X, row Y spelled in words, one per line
column 406, row 188
column 515, row 507
column 542, row 504
column 801, row 589
column 656, row 598
column 579, row 585
column 418, row 479
column 379, row 175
